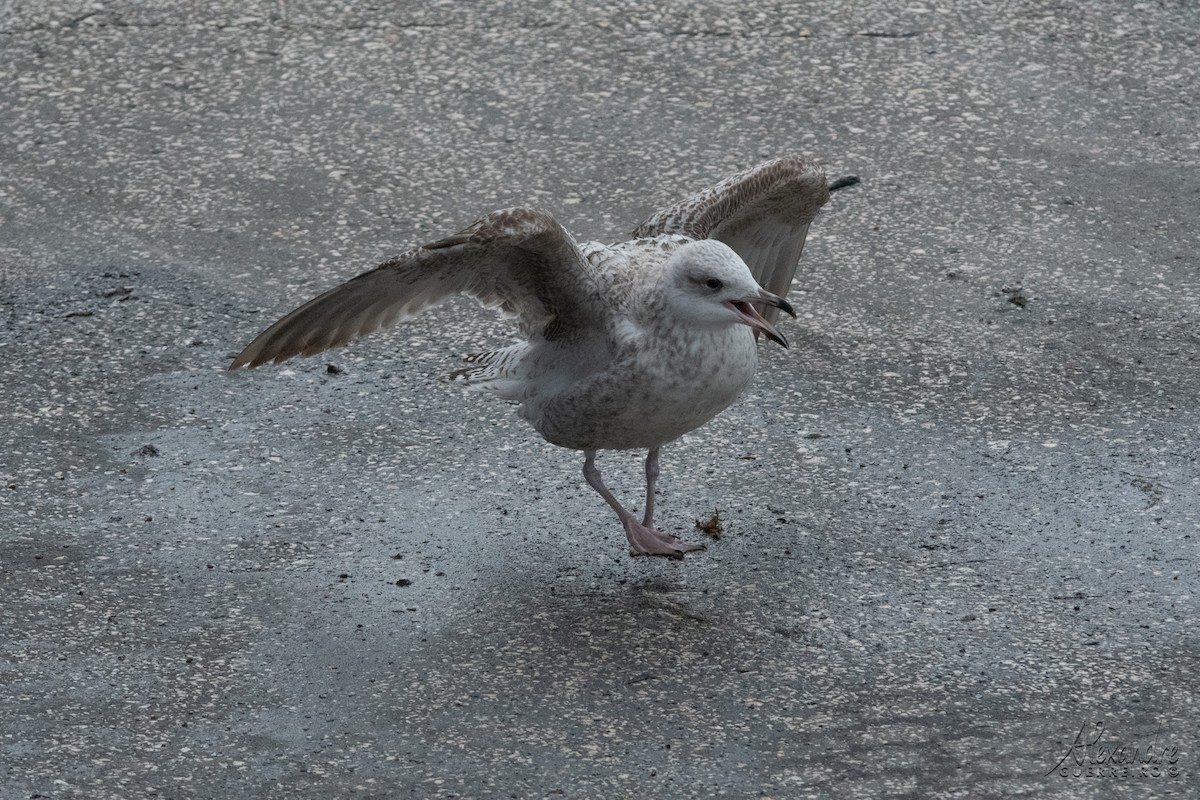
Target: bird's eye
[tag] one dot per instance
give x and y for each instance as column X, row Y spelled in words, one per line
column 713, row 283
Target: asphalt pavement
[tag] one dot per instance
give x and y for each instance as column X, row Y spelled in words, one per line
column 958, row 554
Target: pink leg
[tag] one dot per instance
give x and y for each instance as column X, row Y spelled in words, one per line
column 643, row 539
column 651, row 478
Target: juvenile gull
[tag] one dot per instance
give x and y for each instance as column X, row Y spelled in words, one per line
column 628, row 346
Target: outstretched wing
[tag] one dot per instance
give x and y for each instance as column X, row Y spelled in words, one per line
column 519, row 259
column 763, row 215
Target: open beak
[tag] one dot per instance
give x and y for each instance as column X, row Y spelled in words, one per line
column 758, row 323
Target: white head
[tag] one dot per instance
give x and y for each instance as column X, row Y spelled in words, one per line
column 708, row 284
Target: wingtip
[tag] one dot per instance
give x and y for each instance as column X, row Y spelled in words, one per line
column 845, row 182
column 247, row 359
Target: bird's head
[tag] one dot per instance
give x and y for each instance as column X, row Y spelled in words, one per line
column 708, row 284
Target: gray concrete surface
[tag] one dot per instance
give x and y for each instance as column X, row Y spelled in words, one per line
column 957, row 529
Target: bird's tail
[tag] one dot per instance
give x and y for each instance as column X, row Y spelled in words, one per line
column 496, row 371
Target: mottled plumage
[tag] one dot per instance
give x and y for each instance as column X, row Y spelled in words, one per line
column 762, row 213
column 628, row 345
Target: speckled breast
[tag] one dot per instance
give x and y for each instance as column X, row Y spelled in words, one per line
column 645, row 401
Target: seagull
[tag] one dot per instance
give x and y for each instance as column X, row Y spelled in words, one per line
column 626, row 346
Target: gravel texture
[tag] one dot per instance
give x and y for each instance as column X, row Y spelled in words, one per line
column 960, row 517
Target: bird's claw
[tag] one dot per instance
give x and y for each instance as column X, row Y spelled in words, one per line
column 646, row 541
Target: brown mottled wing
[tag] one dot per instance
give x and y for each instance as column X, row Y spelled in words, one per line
column 763, row 214
column 519, row 259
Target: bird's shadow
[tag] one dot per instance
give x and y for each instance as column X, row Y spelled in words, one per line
column 629, row 602
column 609, row 635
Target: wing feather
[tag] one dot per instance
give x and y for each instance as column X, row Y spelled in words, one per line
column 762, row 213
column 519, row 259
